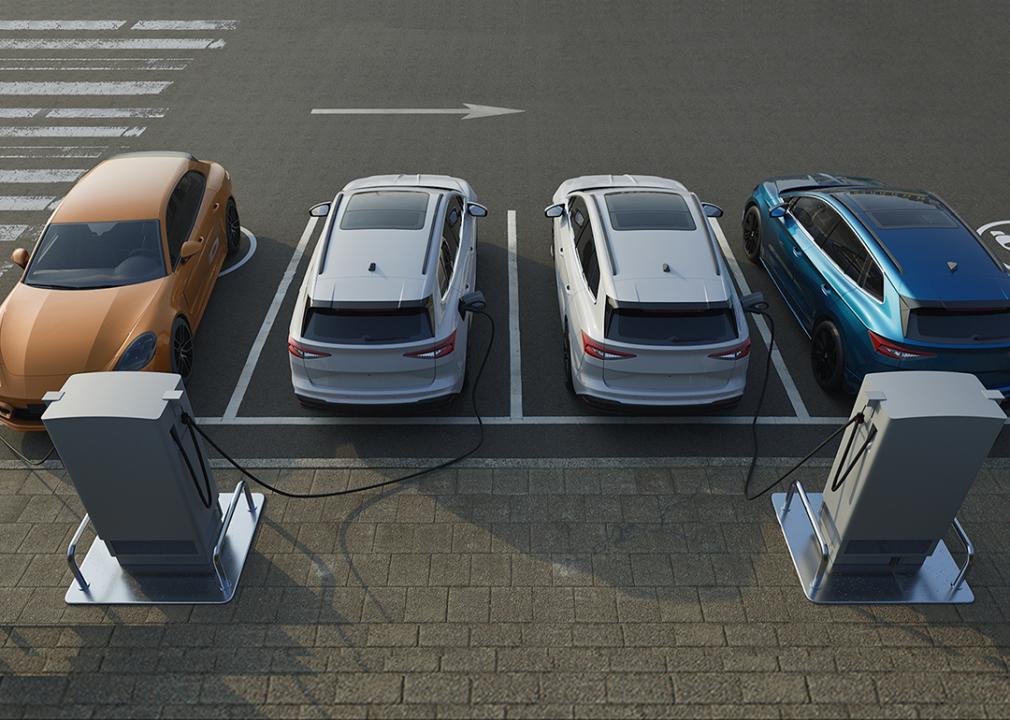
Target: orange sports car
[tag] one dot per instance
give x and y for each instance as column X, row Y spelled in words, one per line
column 119, row 279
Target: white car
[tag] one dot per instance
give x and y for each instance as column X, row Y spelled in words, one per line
column 649, row 312
column 381, row 317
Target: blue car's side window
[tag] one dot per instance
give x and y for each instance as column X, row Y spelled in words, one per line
column 816, row 217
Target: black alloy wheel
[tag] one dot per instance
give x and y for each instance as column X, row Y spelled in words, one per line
column 827, row 356
column 234, row 227
column 752, row 234
column 182, row 348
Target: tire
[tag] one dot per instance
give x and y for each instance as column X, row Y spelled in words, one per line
column 566, row 355
column 827, row 356
column 182, row 348
column 752, row 234
column 233, row 227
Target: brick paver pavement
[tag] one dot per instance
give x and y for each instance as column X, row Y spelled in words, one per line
column 585, row 592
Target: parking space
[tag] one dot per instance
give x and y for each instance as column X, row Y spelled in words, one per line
column 615, row 96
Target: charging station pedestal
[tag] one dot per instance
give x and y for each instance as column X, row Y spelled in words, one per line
column 875, row 534
column 164, row 533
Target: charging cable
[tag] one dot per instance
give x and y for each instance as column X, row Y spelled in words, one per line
column 26, row 460
column 188, row 421
column 206, row 495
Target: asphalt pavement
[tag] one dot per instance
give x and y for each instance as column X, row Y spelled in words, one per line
column 716, row 95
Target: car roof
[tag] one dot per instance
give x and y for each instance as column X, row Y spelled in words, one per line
column 400, row 256
column 125, row 187
column 921, row 235
column 637, row 257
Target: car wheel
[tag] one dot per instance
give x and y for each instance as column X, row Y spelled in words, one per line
column 827, row 356
column 752, row 234
column 234, row 227
column 566, row 354
column 182, row 348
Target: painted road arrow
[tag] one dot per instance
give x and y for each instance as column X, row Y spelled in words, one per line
column 469, row 112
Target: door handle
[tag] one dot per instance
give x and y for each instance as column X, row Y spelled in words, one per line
column 217, row 206
column 826, row 289
column 568, row 289
column 200, row 239
column 797, row 252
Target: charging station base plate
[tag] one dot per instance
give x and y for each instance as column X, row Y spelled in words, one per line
column 110, row 584
column 931, row 585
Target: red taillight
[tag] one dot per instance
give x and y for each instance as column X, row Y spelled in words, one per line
column 446, row 347
column 895, row 351
column 302, row 352
column 600, row 351
column 737, row 352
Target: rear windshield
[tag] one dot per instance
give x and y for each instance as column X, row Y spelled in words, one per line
column 648, row 211
column 385, row 210
column 682, row 327
column 959, row 326
column 81, row 256
column 362, row 327
column 897, row 210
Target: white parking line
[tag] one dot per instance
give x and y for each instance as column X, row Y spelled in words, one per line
column 515, row 351
column 39, row 176
column 76, row 113
column 22, row 64
column 792, row 392
column 61, row 24
column 124, row 44
column 91, row 131
column 245, row 258
column 140, row 87
column 526, row 420
column 261, row 337
column 19, row 112
column 26, row 202
column 10, row 233
column 52, row 151
column 185, row 25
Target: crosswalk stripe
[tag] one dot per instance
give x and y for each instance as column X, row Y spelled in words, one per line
column 53, row 151
column 10, row 233
column 26, row 202
column 106, row 113
column 185, row 25
column 21, row 64
column 19, row 112
column 141, row 87
column 118, row 44
column 39, row 176
column 71, row 131
column 61, row 24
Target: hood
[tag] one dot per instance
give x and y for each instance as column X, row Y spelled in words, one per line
column 60, row 332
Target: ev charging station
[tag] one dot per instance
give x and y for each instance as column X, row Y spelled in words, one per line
column 915, row 444
column 164, row 532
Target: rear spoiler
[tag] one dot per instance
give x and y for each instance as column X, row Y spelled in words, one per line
column 668, row 306
column 377, row 305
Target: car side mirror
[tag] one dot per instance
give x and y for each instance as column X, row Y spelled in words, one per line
column 779, row 211
column 189, row 249
column 754, row 303
column 476, row 210
column 320, row 209
column 473, row 301
column 711, row 210
column 20, row 258
column 554, row 211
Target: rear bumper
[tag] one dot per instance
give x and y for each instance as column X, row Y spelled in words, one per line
column 444, row 385
column 589, row 384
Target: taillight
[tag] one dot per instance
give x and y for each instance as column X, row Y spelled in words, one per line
column 435, row 352
column 737, row 352
column 302, row 352
column 602, row 352
column 895, row 351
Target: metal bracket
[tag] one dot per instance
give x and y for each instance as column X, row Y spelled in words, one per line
column 72, row 552
column 969, row 550
column 796, row 488
column 219, row 571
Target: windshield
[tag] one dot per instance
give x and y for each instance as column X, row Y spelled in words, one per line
column 81, row 256
column 670, row 327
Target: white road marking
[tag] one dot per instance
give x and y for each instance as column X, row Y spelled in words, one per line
column 39, row 176
column 22, row 64
column 469, row 112
column 185, row 25
column 245, row 258
column 261, row 337
column 107, row 113
column 19, row 112
column 515, row 352
column 91, row 131
column 140, row 87
column 10, row 233
column 61, row 24
column 792, row 392
column 52, row 151
column 123, row 44
column 740, row 420
column 25, row 202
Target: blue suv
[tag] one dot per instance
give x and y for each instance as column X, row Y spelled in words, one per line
column 881, row 279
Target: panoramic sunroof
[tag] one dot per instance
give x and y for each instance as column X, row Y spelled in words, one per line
column 385, row 210
column 897, row 210
column 648, row 211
